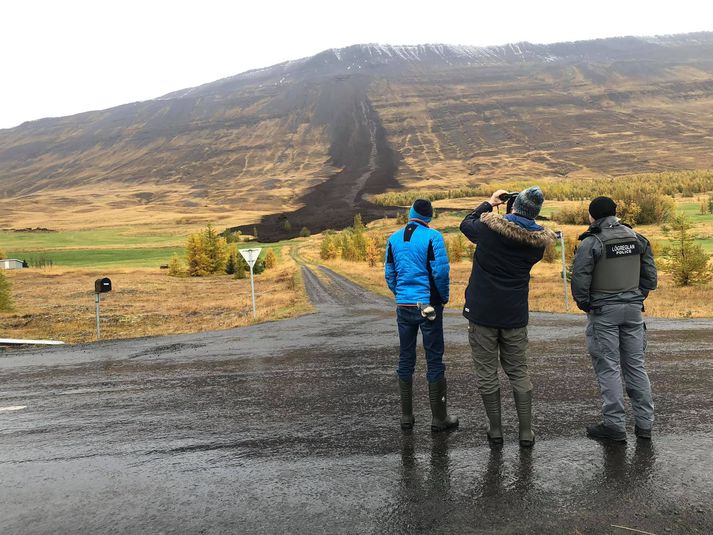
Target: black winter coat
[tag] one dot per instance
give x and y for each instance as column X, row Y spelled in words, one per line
column 497, row 292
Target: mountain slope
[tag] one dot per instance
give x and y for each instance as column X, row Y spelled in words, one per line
column 307, row 139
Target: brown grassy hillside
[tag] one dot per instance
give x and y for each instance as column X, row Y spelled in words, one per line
column 306, row 140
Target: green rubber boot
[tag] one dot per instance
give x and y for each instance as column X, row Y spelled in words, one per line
column 492, row 410
column 437, row 394
column 406, row 392
column 523, row 406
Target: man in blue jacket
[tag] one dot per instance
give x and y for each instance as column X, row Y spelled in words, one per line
column 417, row 272
column 496, row 301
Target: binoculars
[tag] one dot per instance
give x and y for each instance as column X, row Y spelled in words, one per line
column 505, row 197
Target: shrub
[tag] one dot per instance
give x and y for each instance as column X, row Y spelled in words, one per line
column 550, row 255
column 654, row 208
column 233, row 237
column 304, row 232
column 6, row 303
column 573, row 215
column 175, row 269
column 628, row 211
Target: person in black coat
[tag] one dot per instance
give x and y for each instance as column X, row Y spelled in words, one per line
column 496, row 301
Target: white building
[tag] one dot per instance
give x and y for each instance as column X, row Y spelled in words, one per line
column 10, row 263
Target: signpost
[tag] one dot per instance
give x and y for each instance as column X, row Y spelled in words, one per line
column 560, row 235
column 251, row 256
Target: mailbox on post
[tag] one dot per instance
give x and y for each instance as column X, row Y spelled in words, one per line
column 101, row 286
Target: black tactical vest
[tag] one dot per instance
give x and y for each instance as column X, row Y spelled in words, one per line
column 619, row 265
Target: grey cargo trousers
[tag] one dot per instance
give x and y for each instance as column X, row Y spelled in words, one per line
column 616, row 340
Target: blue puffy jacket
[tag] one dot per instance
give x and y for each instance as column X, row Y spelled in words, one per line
column 416, row 267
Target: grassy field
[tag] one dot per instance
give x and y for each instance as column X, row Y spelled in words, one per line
column 58, row 303
column 121, row 247
column 546, row 288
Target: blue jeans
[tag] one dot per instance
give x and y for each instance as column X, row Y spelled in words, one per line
column 409, row 320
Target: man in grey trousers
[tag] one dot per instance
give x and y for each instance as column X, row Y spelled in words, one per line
column 613, row 273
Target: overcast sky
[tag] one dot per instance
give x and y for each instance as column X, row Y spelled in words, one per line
column 65, row 57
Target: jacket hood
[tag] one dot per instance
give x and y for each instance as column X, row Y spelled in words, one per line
column 524, row 222
column 607, row 222
column 516, row 232
column 596, row 227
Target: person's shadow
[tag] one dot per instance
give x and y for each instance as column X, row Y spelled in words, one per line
column 423, row 496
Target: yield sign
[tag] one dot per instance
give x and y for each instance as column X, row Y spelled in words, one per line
column 250, row 255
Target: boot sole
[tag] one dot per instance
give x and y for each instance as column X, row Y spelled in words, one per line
column 497, row 441
column 607, row 439
column 438, row 429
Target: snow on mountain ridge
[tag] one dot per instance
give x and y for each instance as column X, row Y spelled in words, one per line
column 357, row 58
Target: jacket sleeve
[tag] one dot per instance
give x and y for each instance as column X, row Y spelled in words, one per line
column 471, row 224
column 582, row 269
column 647, row 274
column 390, row 268
column 440, row 268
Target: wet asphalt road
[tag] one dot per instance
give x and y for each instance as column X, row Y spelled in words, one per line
column 292, row 427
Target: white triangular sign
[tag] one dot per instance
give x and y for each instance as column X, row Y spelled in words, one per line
column 250, row 255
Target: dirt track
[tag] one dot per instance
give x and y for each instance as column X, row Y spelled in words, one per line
column 293, row 427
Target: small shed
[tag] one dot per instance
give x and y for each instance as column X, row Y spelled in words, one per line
column 11, row 263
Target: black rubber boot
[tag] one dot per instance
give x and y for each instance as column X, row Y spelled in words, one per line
column 642, row 433
column 492, row 410
column 523, row 406
column 441, row 421
column 406, row 392
column 604, row 432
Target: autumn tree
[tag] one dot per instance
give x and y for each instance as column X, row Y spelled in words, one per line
column 206, row 253
column 455, row 248
column 372, row 252
column 683, row 259
column 358, row 224
column 328, row 249
column 232, row 263
column 270, row 259
column 175, row 269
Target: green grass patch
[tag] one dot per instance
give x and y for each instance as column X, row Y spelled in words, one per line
column 134, row 257
column 693, row 212
column 31, row 241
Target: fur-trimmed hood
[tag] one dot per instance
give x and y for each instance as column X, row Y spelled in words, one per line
column 513, row 231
